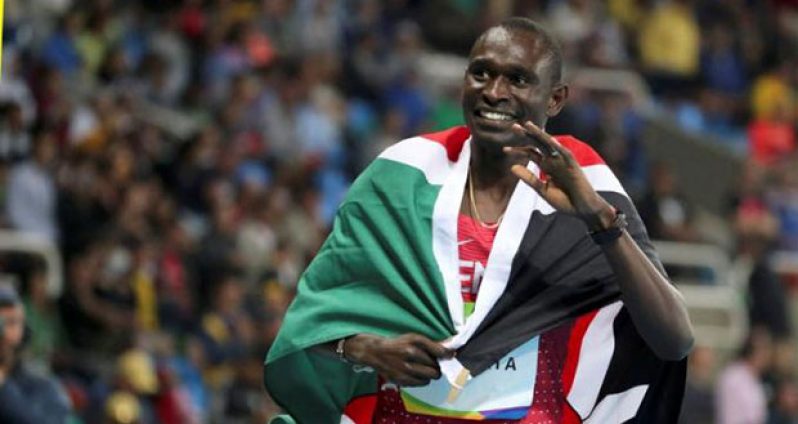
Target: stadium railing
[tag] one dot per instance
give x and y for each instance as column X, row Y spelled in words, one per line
column 713, row 288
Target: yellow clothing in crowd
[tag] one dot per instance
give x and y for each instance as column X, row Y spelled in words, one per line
column 670, row 41
column 146, row 301
column 772, row 99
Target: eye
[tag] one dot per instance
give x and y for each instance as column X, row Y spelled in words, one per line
column 479, row 73
column 520, row 80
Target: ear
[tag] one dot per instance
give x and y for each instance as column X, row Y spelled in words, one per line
column 559, row 94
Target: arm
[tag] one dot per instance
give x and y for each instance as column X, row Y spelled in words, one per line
column 408, row 360
column 656, row 307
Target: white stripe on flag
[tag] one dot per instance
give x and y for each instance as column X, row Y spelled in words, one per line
column 444, row 234
column 425, row 155
column 595, row 354
column 602, row 179
column 618, row 407
column 500, row 260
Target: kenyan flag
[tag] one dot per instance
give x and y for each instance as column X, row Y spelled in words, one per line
column 390, row 267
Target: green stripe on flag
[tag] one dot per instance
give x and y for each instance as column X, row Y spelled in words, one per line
column 376, row 273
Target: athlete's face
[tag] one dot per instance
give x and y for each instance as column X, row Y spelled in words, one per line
column 509, row 79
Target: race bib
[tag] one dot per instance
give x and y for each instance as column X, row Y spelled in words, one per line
column 503, row 391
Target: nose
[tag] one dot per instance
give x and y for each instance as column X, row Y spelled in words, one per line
column 496, row 90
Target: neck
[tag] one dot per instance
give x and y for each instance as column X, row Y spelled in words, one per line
column 490, row 169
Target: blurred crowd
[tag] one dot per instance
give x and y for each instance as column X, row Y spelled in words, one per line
column 187, row 158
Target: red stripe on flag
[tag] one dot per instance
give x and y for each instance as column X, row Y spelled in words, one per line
column 574, row 346
column 583, row 153
column 452, row 139
column 569, row 415
column 361, row 409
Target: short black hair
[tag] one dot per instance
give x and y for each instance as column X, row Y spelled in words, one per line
column 519, row 23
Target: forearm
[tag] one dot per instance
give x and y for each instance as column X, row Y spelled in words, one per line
column 656, row 307
column 354, row 347
column 409, row 359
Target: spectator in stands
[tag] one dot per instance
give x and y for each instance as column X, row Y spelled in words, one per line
column 122, row 408
column 60, row 49
column 699, row 392
column 772, row 137
column 32, row 192
column 134, row 374
column 25, row 397
column 257, row 239
column 94, row 40
column 176, row 285
column 226, row 332
column 783, row 202
column 748, row 196
column 756, row 229
column 722, row 65
column 773, row 107
column 14, row 135
column 667, row 215
column 784, row 409
column 670, row 43
column 572, row 22
column 97, row 313
column 245, row 401
column 41, row 315
column 14, row 89
column 740, row 394
column 774, row 91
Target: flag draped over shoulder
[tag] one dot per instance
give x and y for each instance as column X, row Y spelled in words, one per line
column 390, row 267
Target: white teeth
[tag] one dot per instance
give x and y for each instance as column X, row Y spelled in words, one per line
column 496, row 116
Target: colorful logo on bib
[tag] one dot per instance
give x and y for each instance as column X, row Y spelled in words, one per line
column 503, row 391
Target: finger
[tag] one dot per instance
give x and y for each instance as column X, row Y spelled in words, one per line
column 409, row 380
column 412, row 382
column 419, row 356
column 534, row 137
column 435, row 349
column 528, row 177
column 551, row 144
column 530, row 152
column 422, row 371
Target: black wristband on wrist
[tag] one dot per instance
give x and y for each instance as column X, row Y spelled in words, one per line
column 614, row 232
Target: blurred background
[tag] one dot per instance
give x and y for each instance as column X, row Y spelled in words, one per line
column 169, row 167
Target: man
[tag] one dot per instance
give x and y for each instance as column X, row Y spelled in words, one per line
column 450, row 291
column 740, row 395
column 25, row 398
column 31, row 205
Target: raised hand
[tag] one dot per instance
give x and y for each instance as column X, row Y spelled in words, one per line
column 566, row 188
column 407, row 360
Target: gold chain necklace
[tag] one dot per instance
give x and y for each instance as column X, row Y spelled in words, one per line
column 475, row 211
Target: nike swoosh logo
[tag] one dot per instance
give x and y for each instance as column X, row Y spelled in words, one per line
column 460, row 243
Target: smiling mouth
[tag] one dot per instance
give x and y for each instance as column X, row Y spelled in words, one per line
column 495, row 116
